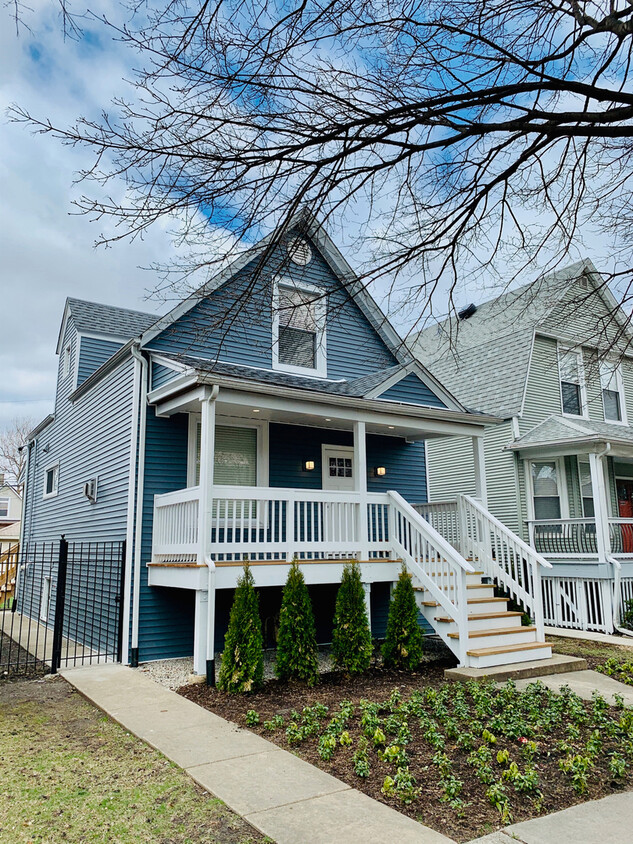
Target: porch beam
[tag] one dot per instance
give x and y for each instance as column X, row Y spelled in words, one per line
column 481, row 490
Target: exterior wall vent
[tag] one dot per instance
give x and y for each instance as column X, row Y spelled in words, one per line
column 467, row 312
column 90, row 490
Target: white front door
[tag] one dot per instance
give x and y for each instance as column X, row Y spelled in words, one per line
column 338, row 467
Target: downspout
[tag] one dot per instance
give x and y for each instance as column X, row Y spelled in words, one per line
column 131, row 506
column 140, row 489
column 617, row 569
column 25, row 500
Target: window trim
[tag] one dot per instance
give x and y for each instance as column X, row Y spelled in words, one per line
column 52, row 467
column 617, row 369
column 229, row 422
column 563, row 350
column 562, row 485
column 320, row 316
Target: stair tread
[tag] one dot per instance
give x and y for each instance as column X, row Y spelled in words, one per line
column 492, row 631
column 482, row 615
column 506, row 649
column 469, row 601
column 468, row 586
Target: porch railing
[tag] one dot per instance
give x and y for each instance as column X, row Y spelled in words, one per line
column 503, row 556
column 443, row 516
column 578, row 537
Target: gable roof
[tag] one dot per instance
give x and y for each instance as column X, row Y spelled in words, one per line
column 557, row 429
column 96, row 318
column 484, row 359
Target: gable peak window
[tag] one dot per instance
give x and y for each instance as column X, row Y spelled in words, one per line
column 299, row 329
column 572, row 382
column 611, row 385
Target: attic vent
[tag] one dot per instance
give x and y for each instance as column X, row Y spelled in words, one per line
column 467, row 312
column 299, row 251
column 584, row 282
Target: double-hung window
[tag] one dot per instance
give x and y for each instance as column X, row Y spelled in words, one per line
column 586, row 489
column 299, row 329
column 546, row 491
column 572, row 382
column 51, row 481
column 235, row 456
column 4, row 508
column 612, row 392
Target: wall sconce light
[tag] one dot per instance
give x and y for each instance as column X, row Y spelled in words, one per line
column 308, row 465
column 379, row 471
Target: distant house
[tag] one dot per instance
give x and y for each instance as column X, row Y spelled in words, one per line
column 10, row 515
column 554, row 360
column 273, row 414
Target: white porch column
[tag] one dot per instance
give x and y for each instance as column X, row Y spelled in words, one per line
column 600, row 505
column 481, row 490
column 367, row 591
column 203, row 637
column 360, row 486
column 200, row 632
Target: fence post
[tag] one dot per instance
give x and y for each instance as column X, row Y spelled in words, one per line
column 119, row 602
column 60, row 600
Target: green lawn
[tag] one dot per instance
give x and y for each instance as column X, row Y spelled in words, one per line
column 71, row 774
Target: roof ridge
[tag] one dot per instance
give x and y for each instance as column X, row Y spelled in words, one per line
column 71, row 299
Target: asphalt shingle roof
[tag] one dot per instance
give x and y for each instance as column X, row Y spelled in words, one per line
column 556, row 428
column 484, row 359
column 357, row 388
column 106, row 319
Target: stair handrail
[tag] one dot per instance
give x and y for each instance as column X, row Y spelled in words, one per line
column 508, row 547
column 459, row 567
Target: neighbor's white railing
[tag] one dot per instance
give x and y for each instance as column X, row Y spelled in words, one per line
column 434, row 562
column 443, row 516
column 503, row 556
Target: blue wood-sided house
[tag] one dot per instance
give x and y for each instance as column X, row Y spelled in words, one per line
column 274, row 414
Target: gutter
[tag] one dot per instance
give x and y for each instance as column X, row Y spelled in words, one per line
column 140, row 490
column 39, row 428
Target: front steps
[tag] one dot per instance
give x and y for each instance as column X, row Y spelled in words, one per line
column 495, row 634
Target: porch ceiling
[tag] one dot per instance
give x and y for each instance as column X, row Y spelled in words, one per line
column 413, row 422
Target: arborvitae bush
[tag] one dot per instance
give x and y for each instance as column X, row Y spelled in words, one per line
column 403, row 644
column 242, row 667
column 351, row 637
column 297, row 654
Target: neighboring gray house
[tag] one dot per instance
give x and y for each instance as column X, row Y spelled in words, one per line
column 554, row 360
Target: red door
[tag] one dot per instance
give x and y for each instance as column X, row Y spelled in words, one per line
column 625, row 511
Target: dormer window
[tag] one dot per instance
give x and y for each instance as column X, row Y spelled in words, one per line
column 572, row 382
column 299, row 329
column 612, row 391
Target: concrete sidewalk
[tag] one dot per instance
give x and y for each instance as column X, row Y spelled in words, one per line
column 279, row 794
column 584, row 683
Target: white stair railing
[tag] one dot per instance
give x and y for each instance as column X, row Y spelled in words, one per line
column 434, row 562
column 503, row 556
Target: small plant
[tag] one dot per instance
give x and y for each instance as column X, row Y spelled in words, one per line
column 345, row 739
column 403, row 642
column 351, row 637
column 503, row 757
column 252, row 718
column 577, row 768
column 275, row 723
column 242, row 668
column 360, row 759
column 617, row 766
column 379, row 737
column 620, row 670
column 326, row 746
column 451, row 786
column 401, row 786
column 297, row 654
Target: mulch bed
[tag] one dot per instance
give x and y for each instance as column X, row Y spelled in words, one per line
column 474, row 815
column 15, row 662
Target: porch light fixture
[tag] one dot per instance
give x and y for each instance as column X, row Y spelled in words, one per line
column 308, row 465
column 379, row 471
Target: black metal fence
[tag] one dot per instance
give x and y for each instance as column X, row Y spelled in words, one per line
column 61, row 605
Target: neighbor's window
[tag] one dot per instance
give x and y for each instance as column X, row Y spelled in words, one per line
column 545, row 487
column 611, row 383
column 300, row 334
column 586, row 489
column 571, row 381
column 4, row 507
column 51, row 481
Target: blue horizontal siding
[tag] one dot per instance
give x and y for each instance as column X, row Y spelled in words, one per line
column 291, row 445
column 162, row 375
column 166, row 615
column 93, row 353
column 234, row 323
column 412, row 390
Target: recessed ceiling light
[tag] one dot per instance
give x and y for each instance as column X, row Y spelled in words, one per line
column 327, row 420
column 391, row 427
column 255, row 410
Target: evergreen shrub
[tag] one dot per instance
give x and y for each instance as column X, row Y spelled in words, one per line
column 351, row 637
column 403, row 644
column 297, row 653
column 242, row 667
